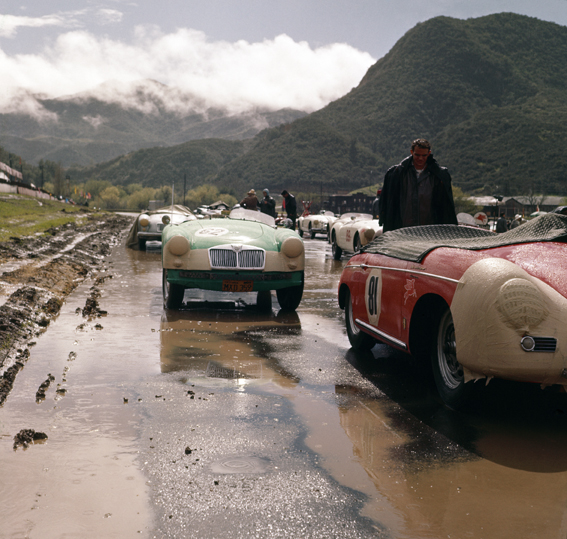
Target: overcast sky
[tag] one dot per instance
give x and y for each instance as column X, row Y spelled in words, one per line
column 235, row 54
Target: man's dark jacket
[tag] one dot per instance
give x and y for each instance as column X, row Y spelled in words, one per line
column 443, row 207
column 268, row 206
column 290, row 206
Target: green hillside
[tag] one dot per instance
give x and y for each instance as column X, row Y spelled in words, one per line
column 199, row 160
column 490, row 94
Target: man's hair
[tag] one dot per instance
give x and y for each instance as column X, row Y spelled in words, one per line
column 421, row 143
column 284, row 192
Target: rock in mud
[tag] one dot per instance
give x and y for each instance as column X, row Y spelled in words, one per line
column 27, row 436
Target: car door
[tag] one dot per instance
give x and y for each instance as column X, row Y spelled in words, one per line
column 384, row 289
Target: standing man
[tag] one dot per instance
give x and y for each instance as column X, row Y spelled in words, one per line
column 516, row 222
column 502, row 223
column 268, row 204
column 417, row 192
column 290, row 207
column 250, row 202
column 376, row 205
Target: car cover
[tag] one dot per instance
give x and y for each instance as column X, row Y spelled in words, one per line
column 413, row 243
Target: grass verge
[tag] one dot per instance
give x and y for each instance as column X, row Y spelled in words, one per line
column 22, row 215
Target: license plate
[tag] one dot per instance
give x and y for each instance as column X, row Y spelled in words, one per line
column 237, row 286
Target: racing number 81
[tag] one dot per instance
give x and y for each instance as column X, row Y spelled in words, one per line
column 373, row 296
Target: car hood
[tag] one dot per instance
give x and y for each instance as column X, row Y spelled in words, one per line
column 207, row 233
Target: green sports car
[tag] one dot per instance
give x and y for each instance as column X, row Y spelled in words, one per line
column 244, row 252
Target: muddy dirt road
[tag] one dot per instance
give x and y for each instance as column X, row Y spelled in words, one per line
column 226, row 422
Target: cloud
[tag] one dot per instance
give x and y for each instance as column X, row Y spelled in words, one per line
column 198, row 73
column 9, row 24
column 109, row 16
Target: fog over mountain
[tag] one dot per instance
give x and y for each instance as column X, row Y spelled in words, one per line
column 72, row 96
column 115, row 118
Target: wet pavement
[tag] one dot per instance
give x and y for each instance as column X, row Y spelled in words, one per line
column 222, row 421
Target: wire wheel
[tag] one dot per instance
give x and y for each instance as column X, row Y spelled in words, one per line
column 447, row 371
column 357, row 338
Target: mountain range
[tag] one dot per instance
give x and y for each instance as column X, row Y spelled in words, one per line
column 110, row 121
column 489, row 93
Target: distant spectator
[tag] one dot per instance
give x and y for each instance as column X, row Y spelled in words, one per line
column 376, row 205
column 268, row 204
column 290, row 207
column 516, row 222
column 250, row 202
column 502, row 224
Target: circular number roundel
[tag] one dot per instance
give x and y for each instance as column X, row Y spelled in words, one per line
column 373, row 296
column 212, row 232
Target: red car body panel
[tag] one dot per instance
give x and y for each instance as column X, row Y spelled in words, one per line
column 504, row 293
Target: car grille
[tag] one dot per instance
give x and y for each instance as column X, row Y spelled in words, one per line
column 545, row 344
column 244, row 259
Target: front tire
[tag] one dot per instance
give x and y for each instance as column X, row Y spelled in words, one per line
column 264, row 300
column 300, row 232
column 357, row 244
column 290, row 298
column 311, row 232
column 358, row 339
column 141, row 244
column 337, row 251
column 172, row 293
column 447, row 371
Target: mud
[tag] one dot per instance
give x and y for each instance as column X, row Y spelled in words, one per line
column 37, row 273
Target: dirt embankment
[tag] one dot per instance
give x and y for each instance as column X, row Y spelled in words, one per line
column 38, row 273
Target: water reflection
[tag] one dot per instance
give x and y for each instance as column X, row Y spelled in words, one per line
column 226, row 344
column 142, row 262
column 497, row 470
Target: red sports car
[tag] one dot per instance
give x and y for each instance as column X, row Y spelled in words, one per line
column 477, row 304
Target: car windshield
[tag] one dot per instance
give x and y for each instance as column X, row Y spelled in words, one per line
column 250, row 215
column 356, row 216
column 176, row 208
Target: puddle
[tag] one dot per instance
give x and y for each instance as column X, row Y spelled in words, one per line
column 332, row 443
column 239, row 464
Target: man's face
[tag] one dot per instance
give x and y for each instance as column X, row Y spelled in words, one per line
column 420, row 156
column 265, row 194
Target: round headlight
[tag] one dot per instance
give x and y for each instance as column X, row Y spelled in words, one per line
column 178, row 245
column 292, row 247
column 165, row 219
column 369, row 234
column 144, row 220
column 527, row 343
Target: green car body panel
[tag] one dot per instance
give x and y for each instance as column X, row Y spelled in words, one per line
column 282, row 268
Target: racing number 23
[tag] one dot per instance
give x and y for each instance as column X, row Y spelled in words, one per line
column 372, row 300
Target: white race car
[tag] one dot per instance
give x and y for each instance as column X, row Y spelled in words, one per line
column 318, row 223
column 149, row 224
column 352, row 231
